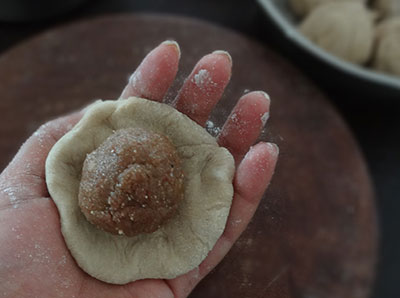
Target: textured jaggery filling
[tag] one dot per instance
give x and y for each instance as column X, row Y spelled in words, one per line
column 132, row 183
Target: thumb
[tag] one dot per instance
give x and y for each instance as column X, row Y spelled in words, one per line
column 24, row 177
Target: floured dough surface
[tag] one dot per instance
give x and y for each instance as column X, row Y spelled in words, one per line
column 185, row 240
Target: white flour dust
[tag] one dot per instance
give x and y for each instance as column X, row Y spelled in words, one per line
column 203, row 79
column 212, row 129
column 10, row 192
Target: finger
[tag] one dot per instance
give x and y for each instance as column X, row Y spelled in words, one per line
column 252, row 178
column 204, row 86
column 155, row 74
column 24, row 176
column 245, row 123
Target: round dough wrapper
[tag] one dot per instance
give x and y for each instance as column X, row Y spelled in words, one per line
column 185, row 240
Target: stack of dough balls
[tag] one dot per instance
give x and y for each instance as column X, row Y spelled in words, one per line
column 141, row 189
column 358, row 31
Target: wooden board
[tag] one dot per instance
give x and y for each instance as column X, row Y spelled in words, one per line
column 314, row 234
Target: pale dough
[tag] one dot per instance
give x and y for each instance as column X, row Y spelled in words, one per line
column 182, row 243
column 343, row 28
column 387, row 51
column 304, row 7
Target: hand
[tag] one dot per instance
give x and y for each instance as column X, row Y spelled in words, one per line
column 34, row 260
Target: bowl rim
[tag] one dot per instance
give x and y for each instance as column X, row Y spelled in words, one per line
column 292, row 33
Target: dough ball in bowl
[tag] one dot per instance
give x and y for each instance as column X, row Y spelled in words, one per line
column 344, row 29
column 304, row 7
column 387, row 8
column 387, row 51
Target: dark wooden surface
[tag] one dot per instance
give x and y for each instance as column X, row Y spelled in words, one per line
column 314, row 234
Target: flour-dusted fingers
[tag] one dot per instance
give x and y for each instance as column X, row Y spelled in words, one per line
column 24, row 177
column 252, row 178
column 155, row 74
column 245, row 123
column 204, row 86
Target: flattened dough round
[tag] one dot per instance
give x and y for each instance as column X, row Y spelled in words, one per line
column 184, row 241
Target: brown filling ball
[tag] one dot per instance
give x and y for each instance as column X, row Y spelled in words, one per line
column 132, row 183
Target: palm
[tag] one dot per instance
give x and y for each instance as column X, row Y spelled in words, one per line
column 34, row 258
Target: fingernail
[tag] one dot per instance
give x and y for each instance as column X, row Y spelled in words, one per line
column 135, row 77
column 173, row 43
column 265, row 94
column 273, row 148
column 264, row 118
column 220, row 52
